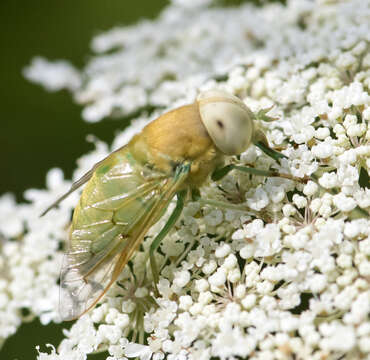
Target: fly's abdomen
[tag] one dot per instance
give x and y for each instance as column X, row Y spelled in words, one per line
column 115, row 199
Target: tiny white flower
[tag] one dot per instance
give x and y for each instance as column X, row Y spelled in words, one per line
column 133, row 350
column 364, row 268
column 205, row 297
column 247, row 251
column 343, row 202
column 185, row 302
column 366, row 111
column 196, row 308
column 349, row 120
column 218, row 278
column 181, row 278
column 360, row 309
column 364, row 344
column 234, row 275
column 317, row 283
column 289, row 324
column 310, row 188
column 356, row 130
column 240, row 291
column 337, row 337
column 289, row 210
column 223, row 250
column 315, row 205
column 230, row 262
column 346, row 60
column 328, row 180
column 53, row 76
column 306, row 134
column 339, row 129
column 265, row 287
column 209, row 267
column 364, row 246
column 344, row 261
column 323, row 150
column 11, row 223
column 344, row 299
column 258, row 199
column 299, row 201
column 322, row 133
column 268, row 240
column 249, row 301
column 109, row 332
column 277, row 194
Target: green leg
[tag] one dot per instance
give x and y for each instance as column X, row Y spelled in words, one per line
column 220, row 173
column 270, row 152
column 168, row 226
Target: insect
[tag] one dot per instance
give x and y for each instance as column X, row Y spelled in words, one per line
column 128, row 191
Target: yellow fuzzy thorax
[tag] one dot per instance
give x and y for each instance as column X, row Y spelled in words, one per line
column 175, row 137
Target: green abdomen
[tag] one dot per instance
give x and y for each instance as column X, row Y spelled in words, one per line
column 113, row 202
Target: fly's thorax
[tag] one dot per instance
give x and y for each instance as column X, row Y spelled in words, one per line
column 173, row 138
column 179, row 134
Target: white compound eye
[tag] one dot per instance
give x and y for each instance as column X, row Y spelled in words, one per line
column 228, row 120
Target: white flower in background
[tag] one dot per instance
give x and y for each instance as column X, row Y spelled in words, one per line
column 53, row 76
column 282, row 269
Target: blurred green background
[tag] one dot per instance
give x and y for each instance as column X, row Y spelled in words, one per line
column 41, row 130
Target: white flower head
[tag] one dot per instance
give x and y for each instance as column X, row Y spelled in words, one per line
column 264, row 267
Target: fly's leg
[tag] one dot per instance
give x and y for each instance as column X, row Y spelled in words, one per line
column 262, row 145
column 220, row 173
column 260, row 142
column 181, row 196
column 195, row 195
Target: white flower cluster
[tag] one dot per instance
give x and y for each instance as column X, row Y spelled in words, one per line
column 160, row 63
column 267, row 268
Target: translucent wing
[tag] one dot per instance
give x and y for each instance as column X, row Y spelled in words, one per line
column 82, row 180
column 116, row 209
